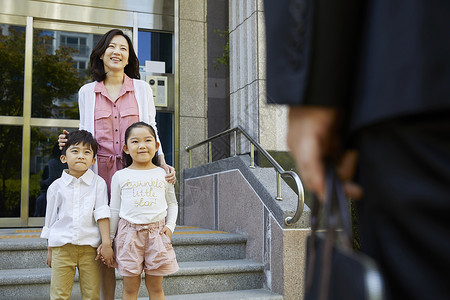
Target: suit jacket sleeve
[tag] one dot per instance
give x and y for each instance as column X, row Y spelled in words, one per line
column 311, row 51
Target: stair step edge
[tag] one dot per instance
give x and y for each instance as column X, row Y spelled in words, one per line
column 235, row 295
column 218, row 267
column 177, row 240
column 198, row 239
column 43, row 275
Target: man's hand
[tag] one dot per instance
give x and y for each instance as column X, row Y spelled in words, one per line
column 309, row 136
column 312, row 138
column 346, row 169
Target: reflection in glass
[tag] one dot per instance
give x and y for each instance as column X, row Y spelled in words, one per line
column 12, row 61
column 10, row 170
column 60, row 68
column 45, row 166
column 165, row 130
column 155, row 46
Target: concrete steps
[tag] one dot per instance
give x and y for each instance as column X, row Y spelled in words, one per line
column 256, row 294
column 191, row 244
column 212, row 265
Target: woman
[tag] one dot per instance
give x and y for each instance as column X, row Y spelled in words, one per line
column 109, row 105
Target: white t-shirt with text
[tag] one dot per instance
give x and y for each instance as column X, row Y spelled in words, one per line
column 142, row 197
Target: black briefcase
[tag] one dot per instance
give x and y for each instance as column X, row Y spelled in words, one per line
column 334, row 271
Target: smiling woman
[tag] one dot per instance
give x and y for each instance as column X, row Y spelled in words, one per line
column 116, row 55
column 114, row 43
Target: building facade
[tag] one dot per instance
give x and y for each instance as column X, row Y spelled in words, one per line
column 44, row 53
column 45, row 48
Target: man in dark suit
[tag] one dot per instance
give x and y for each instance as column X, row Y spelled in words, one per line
column 373, row 76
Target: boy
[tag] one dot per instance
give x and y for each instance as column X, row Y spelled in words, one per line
column 75, row 202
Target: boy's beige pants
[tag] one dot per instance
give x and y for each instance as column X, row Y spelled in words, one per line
column 65, row 260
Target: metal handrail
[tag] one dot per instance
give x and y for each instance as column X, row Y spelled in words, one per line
column 281, row 173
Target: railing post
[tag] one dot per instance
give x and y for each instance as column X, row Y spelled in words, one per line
column 279, row 198
column 235, row 143
column 252, row 156
column 210, row 151
column 190, row 158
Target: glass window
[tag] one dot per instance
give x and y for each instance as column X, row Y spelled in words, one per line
column 72, row 42
column 10, row 170
column 12, row 61
column 155, row 46
column 57, row 76
column 45, row 166
column 165, row 132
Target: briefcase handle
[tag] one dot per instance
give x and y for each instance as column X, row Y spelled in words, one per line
column 336, row 206
column 335, row 209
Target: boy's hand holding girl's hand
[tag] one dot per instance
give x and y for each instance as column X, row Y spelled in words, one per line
column 167, row 232
column 106, row 254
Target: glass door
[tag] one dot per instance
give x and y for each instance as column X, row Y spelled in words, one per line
column 43, row 66
column 12, row 78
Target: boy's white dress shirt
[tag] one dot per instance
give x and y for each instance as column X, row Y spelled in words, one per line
column 73, row 208
column 142, row 197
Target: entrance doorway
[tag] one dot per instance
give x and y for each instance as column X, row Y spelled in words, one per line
column 44, row 61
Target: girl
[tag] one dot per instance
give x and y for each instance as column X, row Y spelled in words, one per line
column 147, row 207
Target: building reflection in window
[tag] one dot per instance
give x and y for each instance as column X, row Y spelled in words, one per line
column 10, row 170
column 12, row 61
column 45, row 166
column 60, row 68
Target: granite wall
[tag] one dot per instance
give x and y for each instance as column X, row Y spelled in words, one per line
column 225, row 200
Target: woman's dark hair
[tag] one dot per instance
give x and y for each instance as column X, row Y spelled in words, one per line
column 96, row 64
column 127, row 160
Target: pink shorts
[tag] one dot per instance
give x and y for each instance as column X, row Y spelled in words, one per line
column 142, row 247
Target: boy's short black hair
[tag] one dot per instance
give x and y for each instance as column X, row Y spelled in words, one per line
column 81, row 136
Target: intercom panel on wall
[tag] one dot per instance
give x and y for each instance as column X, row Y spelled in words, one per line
column 159, row 89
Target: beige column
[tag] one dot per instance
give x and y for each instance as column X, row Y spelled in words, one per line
column 191, row 64
column 192, row 79
column 266, row 123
